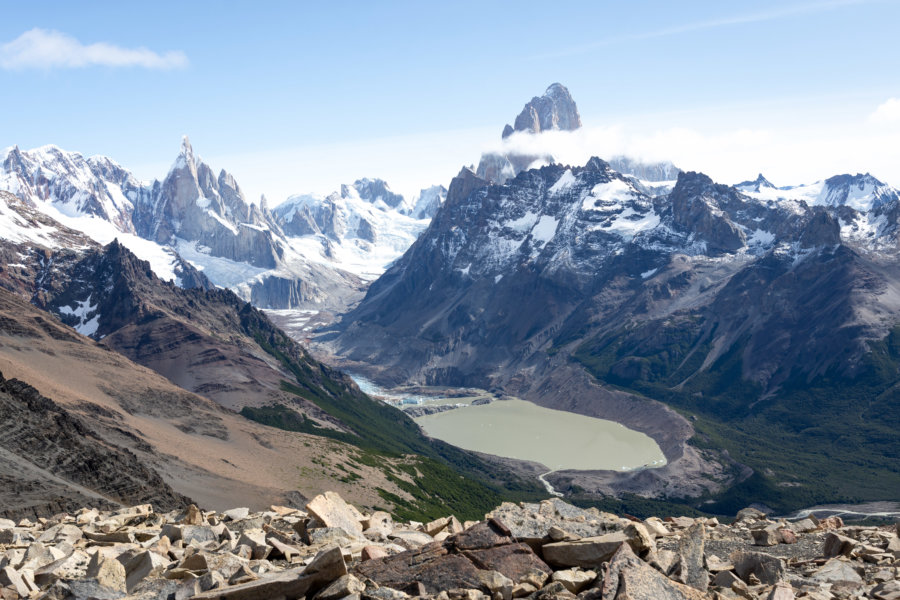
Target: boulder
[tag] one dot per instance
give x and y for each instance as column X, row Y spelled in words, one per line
column 72, row 566
column 256, row 540
column 587, row 552
column 343, row 586
column 575, row 580
column 838, row 571
column 457, row 562
column 781, row 591
column 11, row 578
column 325, row 568
column 193, row 516
column 330, row 510
column 107, row 572
column 767, row 569
column 838, row 545
column 236, row 514
column 142, row 566
column 628, row 577
column 691, row 568
column 767, row 536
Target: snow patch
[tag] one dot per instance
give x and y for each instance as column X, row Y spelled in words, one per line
column 544, row 230
column 81, row 310
column 566, row 181
column 649, row 274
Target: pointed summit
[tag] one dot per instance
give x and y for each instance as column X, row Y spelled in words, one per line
column 555, row 110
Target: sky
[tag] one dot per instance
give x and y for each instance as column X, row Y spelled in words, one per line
column 298, row 97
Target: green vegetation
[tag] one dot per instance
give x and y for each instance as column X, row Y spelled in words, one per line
column 829, row 439
column 445, row 478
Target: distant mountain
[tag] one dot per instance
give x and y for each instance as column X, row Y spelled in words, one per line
column 720, row 301
column 362, row 228
column 191, row 216
column 555, row 110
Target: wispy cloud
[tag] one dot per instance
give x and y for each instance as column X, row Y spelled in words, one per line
column 887, row 112
column 48, row 49
column 742, row 19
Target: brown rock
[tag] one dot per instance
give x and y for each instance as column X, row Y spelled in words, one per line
column 326, row 567
column 628, row 577
column 455, row 563
column 787, row 536
column 193, row 516
column 831, row 523
column 838, row 571
column 764, row 537
column 888, row 590
column 586, row 553
column 512, row 560
column 498, row 585
column 838, row 545
column 372, row 552
column 255, row 539
column 640, row 538
column 781, row 591
column 343, row 586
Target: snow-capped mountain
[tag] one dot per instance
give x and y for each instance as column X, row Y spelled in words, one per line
column 74, row 185
column 363, row 228
column 191, row 215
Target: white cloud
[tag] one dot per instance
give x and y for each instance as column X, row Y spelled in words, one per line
column 781, row 12
column 888, row 112
column 47, row 49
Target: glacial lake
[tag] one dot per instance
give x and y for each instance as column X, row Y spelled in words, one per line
column 525, row 431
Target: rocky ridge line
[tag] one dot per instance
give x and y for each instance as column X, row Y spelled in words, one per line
column 539, row 551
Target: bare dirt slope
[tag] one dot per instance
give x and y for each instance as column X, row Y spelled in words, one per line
column 199, row 448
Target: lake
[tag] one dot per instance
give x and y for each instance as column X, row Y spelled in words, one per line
column 555, row 438
column 525, row 431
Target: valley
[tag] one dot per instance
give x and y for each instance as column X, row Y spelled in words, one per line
column 616, row 331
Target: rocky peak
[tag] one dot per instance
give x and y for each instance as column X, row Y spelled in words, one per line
column 373, row 190
column 758, row 184
column 821, row 230
column 555, row 110
column 861, row 192
column 463, row 185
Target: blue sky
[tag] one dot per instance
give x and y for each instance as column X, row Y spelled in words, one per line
column 294, row 97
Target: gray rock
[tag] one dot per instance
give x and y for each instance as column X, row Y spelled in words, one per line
column 107, row 572
column 586, row 553
column 768, row 569
column 142, row 566
column 555, row 110
column 691, row 568
column 838, row 571
column 10, row 577
column 345, row 585
column 628, row 577
column 325, row 568
column 330, row 510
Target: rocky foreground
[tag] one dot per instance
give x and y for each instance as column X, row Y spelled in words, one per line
column 541, row 551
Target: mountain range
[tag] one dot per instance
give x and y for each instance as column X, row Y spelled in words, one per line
column 765, row 317
column 313, row 253
column 750, row 330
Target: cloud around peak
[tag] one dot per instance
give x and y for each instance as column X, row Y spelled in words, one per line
column 50, row 49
